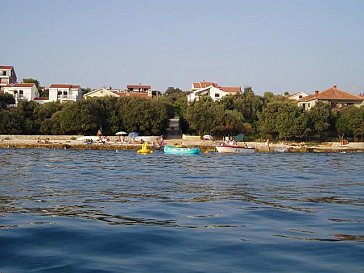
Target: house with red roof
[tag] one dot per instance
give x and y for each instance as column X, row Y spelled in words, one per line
column 22, row 91
column 211, row 89
column 334, row 96
column 138, row 90
column 65, row 92
column 7, row 75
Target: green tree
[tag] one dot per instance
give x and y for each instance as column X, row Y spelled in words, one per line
column 282, row 120
column 319, row 118
column 5, row 100
column 231, row 122
column 203, row 116
column 43, row 117
column 148, row 117
column 25, row 114
column 82, row 117
column 31, row 80
column 178, row 99
column 43, row 92
column 350, row 122
column 10, row 123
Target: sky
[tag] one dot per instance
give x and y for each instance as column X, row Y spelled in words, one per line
column 271, row 45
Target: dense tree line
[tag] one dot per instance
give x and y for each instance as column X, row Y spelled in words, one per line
column 148, row 117
column 268, row 116
column 258, row 117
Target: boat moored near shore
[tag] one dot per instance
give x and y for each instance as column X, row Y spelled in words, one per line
column 235, row 149
column 181, row 150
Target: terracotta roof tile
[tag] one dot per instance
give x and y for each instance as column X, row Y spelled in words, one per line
column 138, row 86
column 308, row 98
column 20, row 85
column 332, row 93
column 64, row 86
column 232, row 89
column 60, row 86
column 204, row 84
column 6, row 67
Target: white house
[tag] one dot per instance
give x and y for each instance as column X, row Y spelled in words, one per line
column 7, row 76
column 102, row 92
column 22, row 91
column 65, row 92
column 211, row 89
column 297, row 96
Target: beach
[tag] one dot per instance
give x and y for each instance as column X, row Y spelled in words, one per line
column 113, row 143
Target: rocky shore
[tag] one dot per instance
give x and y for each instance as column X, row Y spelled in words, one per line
column 113, row 143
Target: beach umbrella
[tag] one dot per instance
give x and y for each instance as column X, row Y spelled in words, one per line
column 207, row 137
column 133, row 135
column 121, row 133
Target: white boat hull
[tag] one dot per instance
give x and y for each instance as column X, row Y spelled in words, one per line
column 235, row 149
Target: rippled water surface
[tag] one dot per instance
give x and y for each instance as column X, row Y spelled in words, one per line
column 109, row 211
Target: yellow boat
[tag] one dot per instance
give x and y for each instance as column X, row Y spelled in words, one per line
column 144, row 149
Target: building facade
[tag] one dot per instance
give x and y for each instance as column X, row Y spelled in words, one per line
column 102, row 92
column 7, row 76
column 65, row 92
column 22, row 91
column 336, row 97
column 212, row 90
column 297, row 96
column 139, row 89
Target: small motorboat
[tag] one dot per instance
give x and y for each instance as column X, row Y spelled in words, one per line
column 144, row 149
column 236, row 149
column 181, row 150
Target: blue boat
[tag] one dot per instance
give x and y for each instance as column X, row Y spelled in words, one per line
column 181, row 150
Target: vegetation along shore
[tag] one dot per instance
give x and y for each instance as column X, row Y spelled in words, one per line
column 259, row 118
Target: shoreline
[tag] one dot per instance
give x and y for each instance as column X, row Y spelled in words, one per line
column 70, row 142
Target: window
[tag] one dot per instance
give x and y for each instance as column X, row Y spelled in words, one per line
column 21, row 92
column 59, row 93
column 217, row 95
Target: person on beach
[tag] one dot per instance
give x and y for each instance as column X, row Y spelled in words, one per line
column 99, row 134
column 231, row 141
column 160, row 141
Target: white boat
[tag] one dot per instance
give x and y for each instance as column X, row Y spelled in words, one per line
column 235, row 149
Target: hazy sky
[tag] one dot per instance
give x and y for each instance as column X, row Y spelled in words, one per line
column 271, row 45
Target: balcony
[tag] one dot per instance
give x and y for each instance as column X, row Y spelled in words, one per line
column 67, row 97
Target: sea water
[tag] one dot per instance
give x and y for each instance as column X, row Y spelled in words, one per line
column 117, row 211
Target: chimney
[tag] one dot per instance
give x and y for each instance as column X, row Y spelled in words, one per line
column 334, row 86
column 317, row 92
